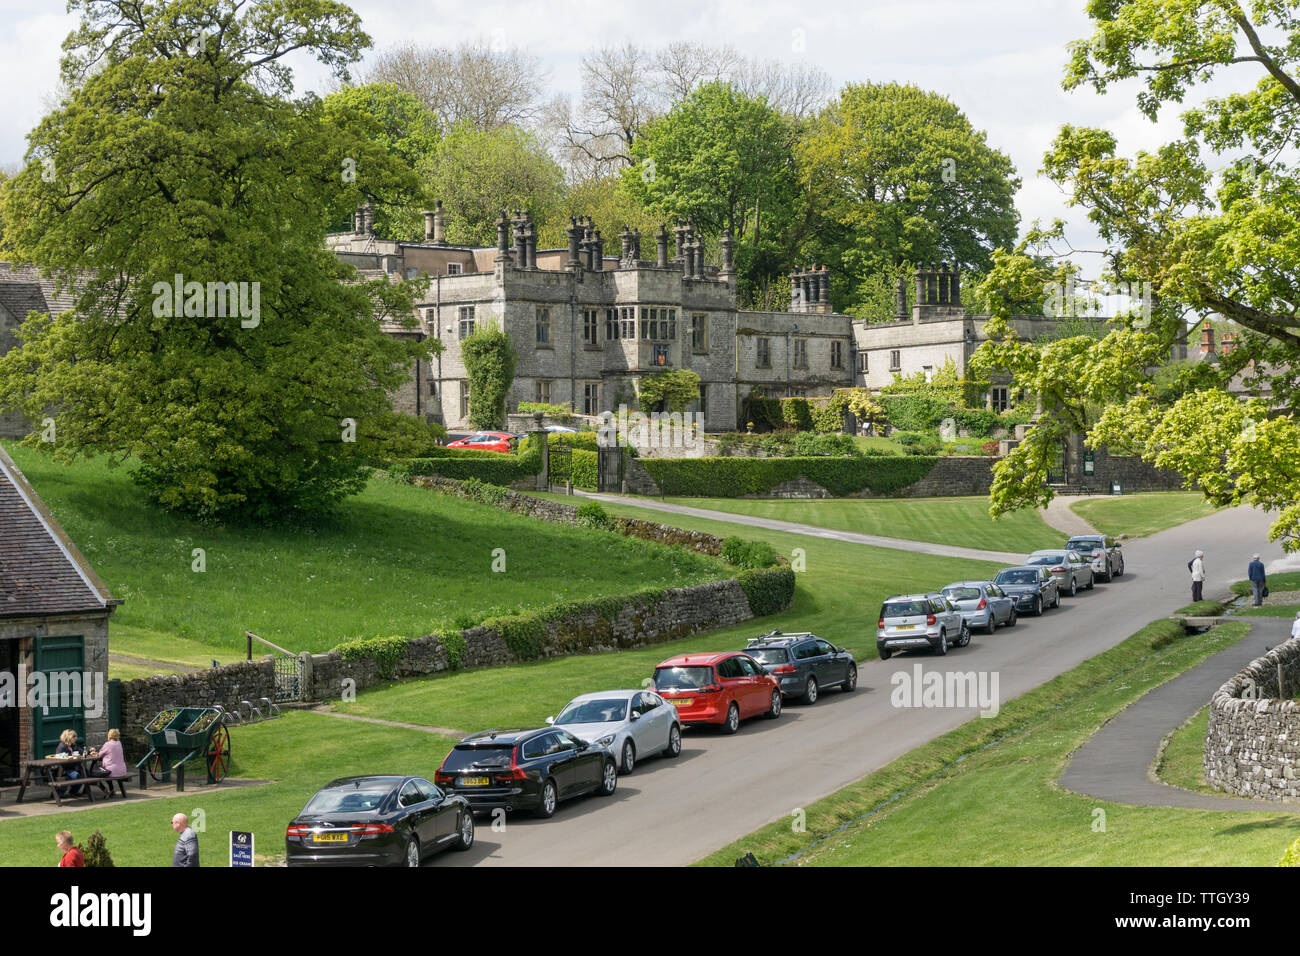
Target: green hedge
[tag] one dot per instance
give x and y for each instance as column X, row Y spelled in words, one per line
column 733, row 477
column 797, row 413
column 490, row 466
column 769, row 590
column 585, row 468
column 386, row 652
column 743, row 553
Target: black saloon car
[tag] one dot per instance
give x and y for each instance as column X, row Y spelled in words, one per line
column 526, row 769
column 378, row 821
column 1032, row 586
column 804, row 664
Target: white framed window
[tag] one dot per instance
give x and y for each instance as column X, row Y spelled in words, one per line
column 1001, row 396
column 464, row 400
column 837, row 355
column 590, row 398
column 542, row 391
column 700, row 332
column 590, row 327
column 466, row 314
column 800, row 359
column 862, row 361
column 543, row 326
column 895, row 360
column 763, row 356
column 455, row 269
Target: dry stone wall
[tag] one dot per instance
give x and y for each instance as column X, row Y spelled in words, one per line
column 1252, row 744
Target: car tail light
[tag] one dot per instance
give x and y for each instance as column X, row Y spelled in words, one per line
column 930, row 619
column 784, row 669
column 443, row 776
column 1054, row 570
column 372, row 829
column 710, row 689
column 1098, row 553
column 982, row 605
column 296, row 830
column 880, row 623
column 514, row 773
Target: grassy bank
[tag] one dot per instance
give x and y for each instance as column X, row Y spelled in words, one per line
column 1000, row 775
column 393, row 560
column 1140, row 515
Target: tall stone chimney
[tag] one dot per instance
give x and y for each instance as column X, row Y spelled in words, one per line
column 636, row 245
column 530, row 242
column 661, row 247
column 439, row 226
column 938, row 292
column 597, row 251
column 1207, row 339
column 728, row 246
column 574, row 232
column 428, row 225
column 503, row 236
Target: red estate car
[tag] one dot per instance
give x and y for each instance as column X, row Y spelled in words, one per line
column 487, row 441
column 718, row 689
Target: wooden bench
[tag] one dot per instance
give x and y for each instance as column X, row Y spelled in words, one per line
column 58, row 785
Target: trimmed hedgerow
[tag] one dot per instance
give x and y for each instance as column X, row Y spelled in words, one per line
column 385, row 651
column 768, row 589
column 743, row 553
column 490, row 466
column 584, row 468
column 733, row 477
column 797, row 413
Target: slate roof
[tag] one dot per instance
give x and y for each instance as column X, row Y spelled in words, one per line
column 41, row 571
column 17, row 281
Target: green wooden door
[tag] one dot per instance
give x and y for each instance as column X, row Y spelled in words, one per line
column 66, row 655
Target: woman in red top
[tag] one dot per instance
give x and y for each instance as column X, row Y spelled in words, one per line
column 71, row 855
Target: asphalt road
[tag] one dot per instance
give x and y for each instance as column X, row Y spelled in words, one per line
column 673, row 812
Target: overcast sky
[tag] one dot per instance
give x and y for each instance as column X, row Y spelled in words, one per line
column 1000, row 61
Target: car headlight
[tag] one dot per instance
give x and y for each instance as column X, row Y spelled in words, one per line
column 606, row 741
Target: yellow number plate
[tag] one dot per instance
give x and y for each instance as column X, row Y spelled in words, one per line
column 329, row 838
column 683, row 701
column 905, row 627
column 473, row 781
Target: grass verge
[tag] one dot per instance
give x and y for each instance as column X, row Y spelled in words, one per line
column 1140, row 515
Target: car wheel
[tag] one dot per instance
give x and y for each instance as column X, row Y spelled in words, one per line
column 810, row 691
column 1074, row 586
column 1056, row 601
column 884, row 653
column 1092, row 581
column 629, row 757
column 964, row 638
column 608, row 779
column 465, row 832
column 1011, row 621
column 993, row 622
column 774, row 711
column 1110, row 573
column 732, row 723
column 546, row 806
column 674, row 741
column 943, row 644
column 851, row 680
column 411, row 853
column 1120, row 572
column 1038, row 606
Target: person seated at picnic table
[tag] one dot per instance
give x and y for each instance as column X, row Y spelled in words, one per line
column 68, row 745
column 113, row 762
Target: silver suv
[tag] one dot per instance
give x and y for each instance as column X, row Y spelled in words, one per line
column 1102, row 551
column 912, row 621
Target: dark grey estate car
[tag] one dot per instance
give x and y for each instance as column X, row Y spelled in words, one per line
column 803, row 663
column 1104, row 552
column 1033, row 587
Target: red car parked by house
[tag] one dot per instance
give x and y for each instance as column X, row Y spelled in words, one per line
column 487, row 441
column 723, row 688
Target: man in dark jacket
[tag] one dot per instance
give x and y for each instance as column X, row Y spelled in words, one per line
column 1255, row 571
column 187, row 847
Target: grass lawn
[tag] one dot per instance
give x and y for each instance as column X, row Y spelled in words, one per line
column 394, row 560
column 837, row 597
column 986, row 793
column 1183, row 762
column 963, row 522
column 301, row 751
column 1140, row 515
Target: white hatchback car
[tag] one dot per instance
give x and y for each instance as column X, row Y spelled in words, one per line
column 629, row 724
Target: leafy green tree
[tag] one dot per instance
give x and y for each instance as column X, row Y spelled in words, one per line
column 490, row 362
column 724, row 160
column 897, row 175
column 176, row 152
column 398, row 123
column 477, row 173
column 1208, row 235
column 669, row 391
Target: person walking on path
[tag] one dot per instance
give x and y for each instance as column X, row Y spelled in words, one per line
column 1197, row 567
column 71, row 855
column 187, row 847
column 1255, row 571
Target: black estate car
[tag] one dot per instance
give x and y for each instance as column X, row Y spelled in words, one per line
column 377, row 821
column 803, row 663
column 526, row 769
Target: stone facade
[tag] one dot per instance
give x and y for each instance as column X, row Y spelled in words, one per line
column 1252, row 743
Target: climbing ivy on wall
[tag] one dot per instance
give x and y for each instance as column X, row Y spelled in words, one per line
column 490, row 362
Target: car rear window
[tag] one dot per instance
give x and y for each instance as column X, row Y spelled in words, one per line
column 594, row 711
column 467, row 756
column 1017, row 577
column 362, row 799
column 1047, row 559
column 962, row 594
column 904, row 608
column 768, row 655
column 668, row 678
column 1083, row 544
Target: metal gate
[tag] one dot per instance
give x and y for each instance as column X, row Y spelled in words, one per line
column 609, row 469
column 1056, row 464
column 288, row 678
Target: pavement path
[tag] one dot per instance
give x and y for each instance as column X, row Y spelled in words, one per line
column 1063, row 518
column 673, row 812
column 794, row 527
column 1115, row 764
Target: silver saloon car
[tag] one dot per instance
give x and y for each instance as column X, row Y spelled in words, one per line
column 630, row 724
column 982, row 603
column 1072, row 572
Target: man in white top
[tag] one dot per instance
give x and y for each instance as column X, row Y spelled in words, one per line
column 1198, row 575
column 1295, row 626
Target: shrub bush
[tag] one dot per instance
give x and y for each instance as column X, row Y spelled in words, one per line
column 916, row 411
column 96, row 851
column 489, row 466
column 1290, row 858
column 385, row 651
column 453, row 642
column 990, row 448
column 733, row 477
column 592, row 515
column 796, row 413
column 562, row 414
column 585, row 469
column 750, row 555
column 809, row 445
column 768, row 590
column 977, row 421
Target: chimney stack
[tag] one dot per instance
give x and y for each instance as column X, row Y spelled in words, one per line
column 439, row 230
column 503, row 236
column 1207, row 339
column 661, row 247
column 728, row 244
column 428, row 225
column 573, row 231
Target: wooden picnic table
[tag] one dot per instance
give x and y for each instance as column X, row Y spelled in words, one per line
column 49, row 768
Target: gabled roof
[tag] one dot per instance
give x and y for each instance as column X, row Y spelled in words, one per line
column 41, row 571
column 50, row 297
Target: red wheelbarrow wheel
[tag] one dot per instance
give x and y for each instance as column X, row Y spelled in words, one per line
column 218, row 753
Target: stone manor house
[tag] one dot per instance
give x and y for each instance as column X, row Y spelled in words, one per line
column 588, row 325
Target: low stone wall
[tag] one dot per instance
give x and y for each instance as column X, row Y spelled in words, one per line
column 227, row 686
column 638, row 622
column 1252, row 744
